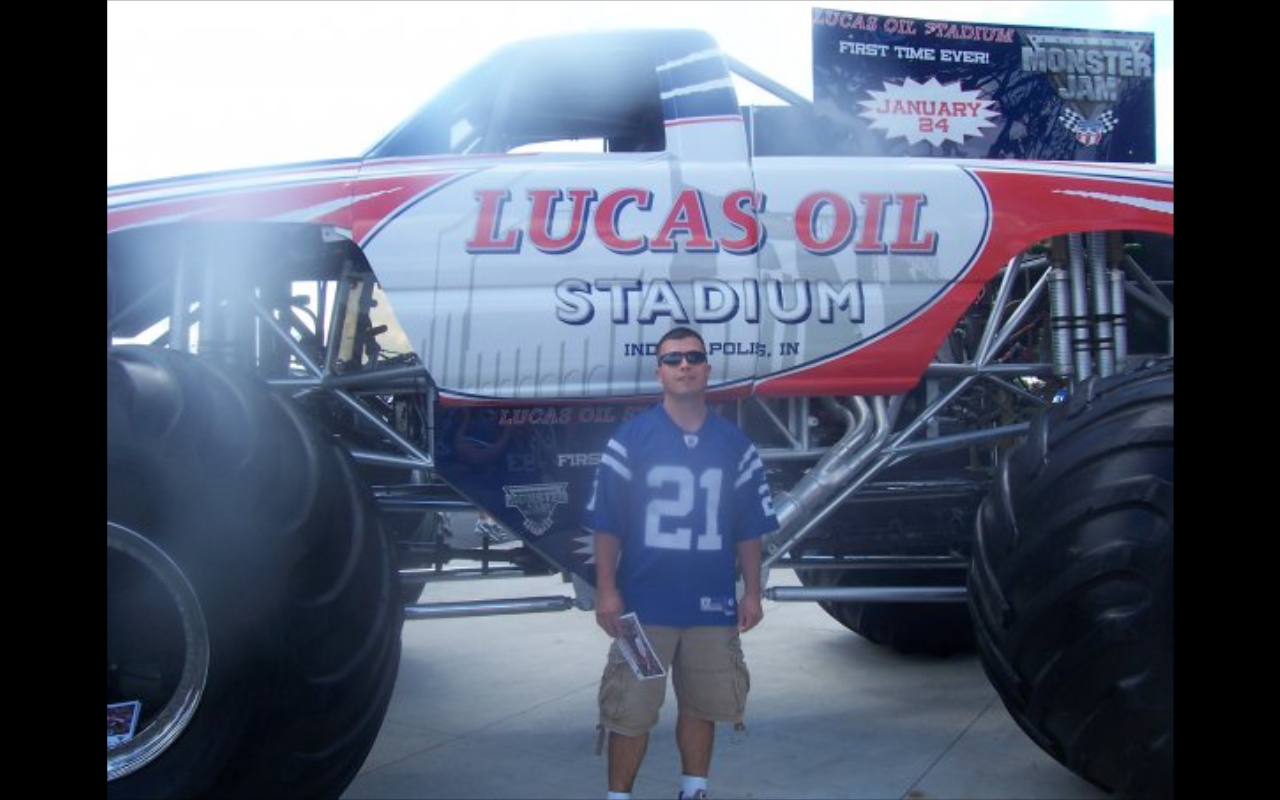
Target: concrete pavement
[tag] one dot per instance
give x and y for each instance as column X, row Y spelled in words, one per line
column 505, row 707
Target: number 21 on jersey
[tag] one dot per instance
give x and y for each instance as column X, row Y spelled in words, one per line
column 692, row 495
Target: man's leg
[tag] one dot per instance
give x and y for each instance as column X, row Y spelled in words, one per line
column 625, row 756
column 695, row 738
column 629, row 704
column 711, row 683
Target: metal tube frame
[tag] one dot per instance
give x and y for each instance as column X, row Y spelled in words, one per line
column 323, row 379
column 488, row 608
column 765, row 82
column 1152, row 297
column 873, row 562
column 868, row 594
column 876, row 455
column 783, row 428
column 818, row 502
column 862, row 461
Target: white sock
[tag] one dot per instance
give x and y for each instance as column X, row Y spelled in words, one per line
column 690, row 784
column 619, row 796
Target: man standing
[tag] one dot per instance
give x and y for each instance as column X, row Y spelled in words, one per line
column 678, row 509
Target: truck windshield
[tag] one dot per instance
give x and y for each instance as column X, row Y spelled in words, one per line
column 525, row 99
column 454, row 123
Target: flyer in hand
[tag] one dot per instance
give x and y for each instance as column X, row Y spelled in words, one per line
column 636, row 649
column 122, row 718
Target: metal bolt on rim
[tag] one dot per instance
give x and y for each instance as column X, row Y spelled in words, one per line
column 161, row 731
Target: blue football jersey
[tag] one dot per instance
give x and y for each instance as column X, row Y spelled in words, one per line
column 680, row 502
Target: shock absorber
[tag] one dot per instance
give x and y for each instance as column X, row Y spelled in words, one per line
column 1080, row 344
column 1059, row 310
column 1101, row 292
column 1120, row 327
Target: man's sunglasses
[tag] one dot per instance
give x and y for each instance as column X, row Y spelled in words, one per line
column 672, row 359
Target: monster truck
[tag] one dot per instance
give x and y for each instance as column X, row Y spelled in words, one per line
column 308, row 365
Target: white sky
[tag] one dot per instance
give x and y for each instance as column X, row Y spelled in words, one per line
column 200, row 86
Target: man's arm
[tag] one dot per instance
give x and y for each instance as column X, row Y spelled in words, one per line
column 609, row 606
column 750, row 610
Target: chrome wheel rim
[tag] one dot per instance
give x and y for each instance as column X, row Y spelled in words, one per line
column 136, row 565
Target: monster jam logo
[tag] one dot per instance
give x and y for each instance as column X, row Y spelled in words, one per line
column 537, row 503
column 1089, row 70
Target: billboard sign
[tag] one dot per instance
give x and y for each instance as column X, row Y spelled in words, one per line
column 896, row 86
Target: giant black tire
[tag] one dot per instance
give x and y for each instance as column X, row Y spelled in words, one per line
column 252, row 601
column 938, row 629
column 1071, row 584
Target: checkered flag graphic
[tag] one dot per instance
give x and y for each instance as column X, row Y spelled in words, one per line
column 1088, row 131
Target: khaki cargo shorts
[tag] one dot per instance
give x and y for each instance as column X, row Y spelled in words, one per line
column 706, row 666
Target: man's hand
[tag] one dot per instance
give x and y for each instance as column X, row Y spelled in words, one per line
column 609, row 605
column 609, row 608
column 750, row 612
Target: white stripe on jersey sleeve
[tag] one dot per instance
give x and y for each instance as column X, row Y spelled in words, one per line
column 617, row 447
column 750, row 463
column 609, row 461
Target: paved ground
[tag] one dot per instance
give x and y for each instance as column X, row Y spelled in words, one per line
column 504, row 707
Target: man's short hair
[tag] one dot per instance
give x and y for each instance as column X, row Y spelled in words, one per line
column 682, row 333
